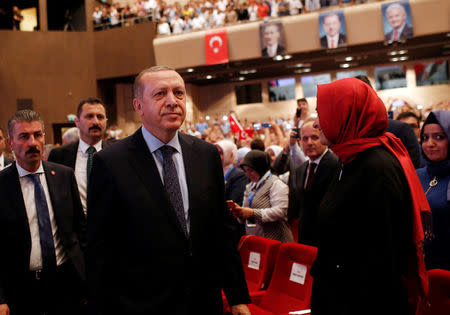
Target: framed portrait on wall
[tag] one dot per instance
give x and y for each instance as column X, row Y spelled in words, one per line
column 429, row 73
column 272, row 39
column 397, row 21
column 281, row 89
column 390, row 77
column 332, row 30
column 310, row 83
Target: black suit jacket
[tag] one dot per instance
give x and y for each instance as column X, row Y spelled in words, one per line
column 406, row 33
column 280, row 50
column 235, row 185
column 67, row 154
column 139, row 261
column 306, row 203
column 7, row 161
column 15, row 238
column 342, row 41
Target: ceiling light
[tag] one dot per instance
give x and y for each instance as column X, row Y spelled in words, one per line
column 350, row 58
column 278, row 58
column 247, row 71
column 403, row 58
column 394, row 59
column 392, row 53
column 241, row 78
column 306, row 70
column 209, row 77
column 402, row 52
column 190, row 70
column 286, row 57
column 344, row 65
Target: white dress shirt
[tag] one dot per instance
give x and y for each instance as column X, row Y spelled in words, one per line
column 2, row 161
column 272, row 50
column 27, row 186
column 316, row 161
column 154, row 144
column 80, row 170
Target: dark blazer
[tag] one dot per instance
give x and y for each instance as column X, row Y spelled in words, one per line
column 406, row 33
column 235, row 185
column 306, row 203
column 67, row 154
column 7, row 160
column 15, row 238
column 342, row 41
column 280, row 50
column 139, row 261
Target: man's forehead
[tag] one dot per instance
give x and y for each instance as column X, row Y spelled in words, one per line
column 162, row 78
column 27, row 127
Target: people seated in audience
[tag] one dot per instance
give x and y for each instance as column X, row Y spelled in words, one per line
column 264, row 209
column 435, row 179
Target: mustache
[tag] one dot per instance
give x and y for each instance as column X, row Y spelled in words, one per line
column 173, row 111
column 32, row 150
column 95, row 127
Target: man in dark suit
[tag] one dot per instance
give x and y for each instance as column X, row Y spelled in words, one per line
column 4, row 160
column 333, row 38
column 160, row 236
column 91, row 121
column 271, row 36
column 396, row 16
column 311, row 181
column 42, row 228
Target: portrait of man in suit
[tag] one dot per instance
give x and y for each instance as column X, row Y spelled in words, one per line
column 42, row 228
column 161, row 238
column 397, row 21
column 272, row 39
column 332, row 29
column 91, row 122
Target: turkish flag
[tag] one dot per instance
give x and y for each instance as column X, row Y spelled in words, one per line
column 245, row 134
column 235, row 126
column 216, row 47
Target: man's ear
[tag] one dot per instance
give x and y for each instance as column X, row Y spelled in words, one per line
column 137, row 105
column 76, row 121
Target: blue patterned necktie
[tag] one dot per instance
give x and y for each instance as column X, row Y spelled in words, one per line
column 172, row 185
column 45, row 227
column 90, row 151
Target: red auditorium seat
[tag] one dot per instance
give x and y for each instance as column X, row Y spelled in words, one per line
column 438, row 300
column 258, row 255
column 290, row 287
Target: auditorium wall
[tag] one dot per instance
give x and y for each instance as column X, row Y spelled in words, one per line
column 54, row 69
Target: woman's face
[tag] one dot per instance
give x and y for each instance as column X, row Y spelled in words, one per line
column 434, row 143
column 251, row 173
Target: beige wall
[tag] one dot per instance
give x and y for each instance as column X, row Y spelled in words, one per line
column 55, row 69
column 364, row 25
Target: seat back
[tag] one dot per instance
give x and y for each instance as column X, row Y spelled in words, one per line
column 291, row 283
column 258, row 256
column 438, row 299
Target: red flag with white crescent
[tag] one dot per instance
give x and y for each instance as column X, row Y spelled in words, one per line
column 246, row 134
column 235, row 126
column 216, row 47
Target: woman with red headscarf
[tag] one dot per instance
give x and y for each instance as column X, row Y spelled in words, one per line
column 370, row 245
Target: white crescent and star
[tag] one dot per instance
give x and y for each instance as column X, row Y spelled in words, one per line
column 215, row 39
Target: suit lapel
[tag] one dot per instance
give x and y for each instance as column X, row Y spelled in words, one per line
column 15, row 193
column 73, row 154
column 302, row 176
column 141, row 159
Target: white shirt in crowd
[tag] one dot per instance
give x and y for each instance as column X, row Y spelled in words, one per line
column 27, row 187
column 177, row 25
column 80, row 170
column 312, row 5
column 164, row 28
column 295, row 6
column 252, row 12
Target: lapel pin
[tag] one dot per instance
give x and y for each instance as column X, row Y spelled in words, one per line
column 52, row 172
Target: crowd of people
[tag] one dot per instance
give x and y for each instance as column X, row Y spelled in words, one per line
column 151, row 223
column 175, row 18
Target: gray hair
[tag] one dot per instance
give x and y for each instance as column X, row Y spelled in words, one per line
column 137, row 86
column 71, row 135
column 25, row 115
column 396, row 6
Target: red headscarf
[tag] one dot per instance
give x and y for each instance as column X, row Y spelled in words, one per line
column 353, row 118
